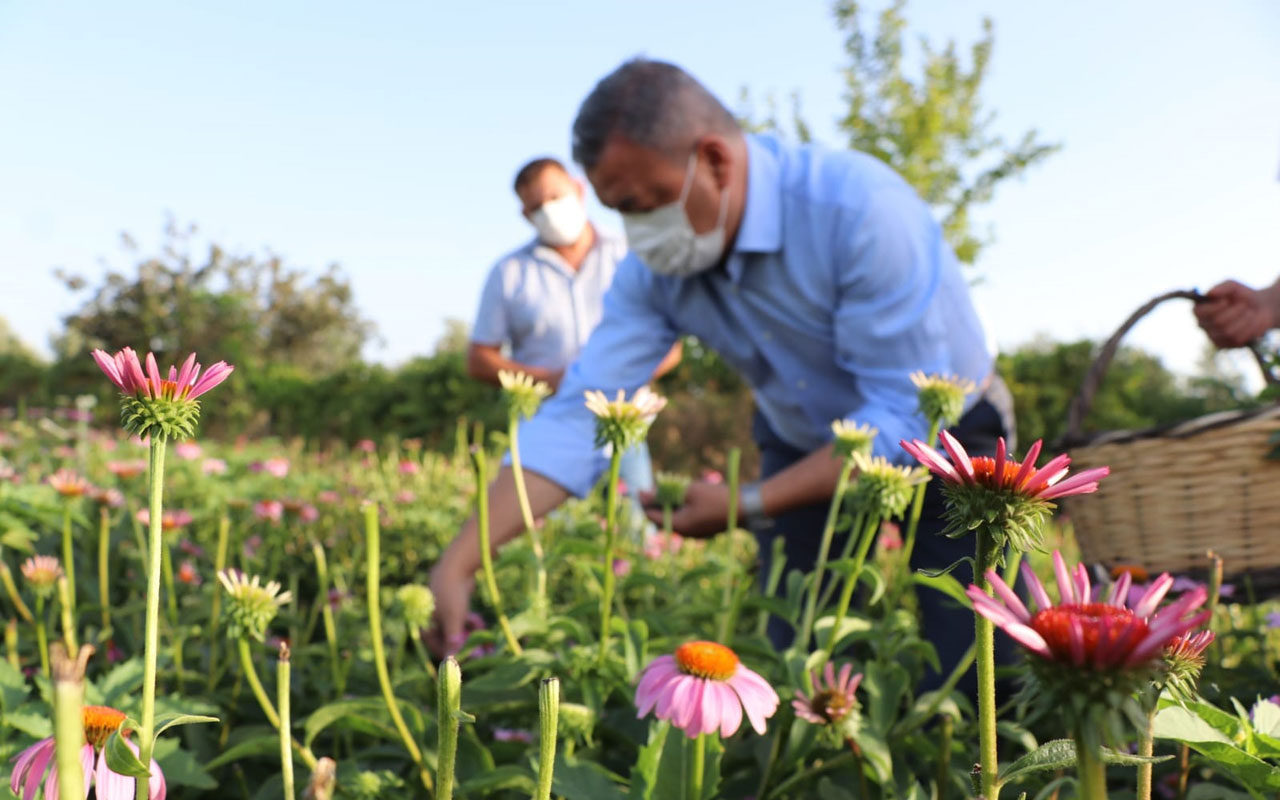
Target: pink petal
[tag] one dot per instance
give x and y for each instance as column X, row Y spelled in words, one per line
column 1083, row 589
column 131, row 371
column 1066, row 587
column 958, row 456
column 1084, row 483
column 1027, row 636
column 829, row 672
column 1035, row 587
column 691, row 720
column 22, row 762
column 932, row 460
column 110, row 785
column 35, row 773
column 1120, row 589
column 652, row 681
column 1048, row 474
column 1009, row 596
column 108, row 365
column 714, row 705
column 1001, row 456
column 213, row 376
column 1154, row 594
column 153, row 373
column 184, row 377
column 759, row 700
column 1075, row 637
column 1028, row 464
column 845, row 672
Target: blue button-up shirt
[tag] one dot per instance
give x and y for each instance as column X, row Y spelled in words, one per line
column 838, row 286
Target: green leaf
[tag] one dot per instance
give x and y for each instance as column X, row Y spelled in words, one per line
column 1182, row 725
column 13, row 687
column 32, row 723
column 884, row 686
column 360, row 712
column 511, row 777
column 166, row 721
column 123, row 679
column 1266, row 718
column 945, row 583
column 876, row 753
column 121, row 759
column 585, row 780
column 830, row 791
column 268, row 745
column 180, row 768
column 644, row 772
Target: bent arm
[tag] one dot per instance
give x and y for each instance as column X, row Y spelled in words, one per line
column 485, row 361
column 670, row 361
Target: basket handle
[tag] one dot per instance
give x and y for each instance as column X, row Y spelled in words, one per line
column 1083, row 401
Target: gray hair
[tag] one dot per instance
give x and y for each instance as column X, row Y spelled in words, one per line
column 652, row 103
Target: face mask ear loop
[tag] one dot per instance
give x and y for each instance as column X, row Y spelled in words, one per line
column 688, row 177
column 724, row 208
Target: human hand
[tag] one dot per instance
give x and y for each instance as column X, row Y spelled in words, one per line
column 452, row 589
column 1233, row 315
column 704, row 513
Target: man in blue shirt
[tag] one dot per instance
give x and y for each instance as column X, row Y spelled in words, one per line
column 820, row 275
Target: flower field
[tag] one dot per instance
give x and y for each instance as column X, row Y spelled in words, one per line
column 253, row 616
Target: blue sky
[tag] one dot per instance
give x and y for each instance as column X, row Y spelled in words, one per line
column 383, row 136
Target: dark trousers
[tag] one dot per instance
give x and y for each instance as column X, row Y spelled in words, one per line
column 944, row 622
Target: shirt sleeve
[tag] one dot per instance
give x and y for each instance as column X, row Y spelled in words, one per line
column 888, row 321
column 491, row 317
column 622, row 353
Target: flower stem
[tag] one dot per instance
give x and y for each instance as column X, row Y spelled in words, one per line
column 373, row 586
column 68, row 727
column 215, row 619
column 171, row 596
column 11, row 642
column 917, row 506
column 548, row 717
column 859, row 521
column 448, row 704
column 282, row 702
column 68, row 624
column 146, row 731
column 264, row 701
column 610, row 534
column 6, row 577
column 104, row 573
column 480, row 462
column 1092, row 770
column 828, row 532
column 698, row 765
column 1146, row 745
column 42, row 636
column 666, row 522
column 526, row 512
column 777, row 564
column 851, row 583
column 988, row 554
column 326, row 612
column 730, row 601
column 68, row 552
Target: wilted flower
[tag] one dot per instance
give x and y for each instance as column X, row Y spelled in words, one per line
column 42, row 573
column 940, row 398
column 512, row 735
column 99, row 723
column 417, row 604
column 213, row 466
column 1184, row 660
column 670, row 489
column 251, row 545
column 522, row 392
column 704, row 687
column 188, row 450
column 126, row 470
column 269, row 510
column 170, row 520
column 187, row 574
column 153, row 406
column 252, row 606
column 850, row 438
column 68, row 484
column 882, row 488
column 279, row 467
column 1006, row 497
column 622, row 423
column 890, row 537
column 111, row 498
column 831, row 699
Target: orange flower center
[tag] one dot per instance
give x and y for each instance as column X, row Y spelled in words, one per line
column 707, row 660
column 99, row 723
column 1136, row 573
column 1099, row 623
column 984, row 471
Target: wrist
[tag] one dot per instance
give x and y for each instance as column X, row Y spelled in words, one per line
column 751, row 506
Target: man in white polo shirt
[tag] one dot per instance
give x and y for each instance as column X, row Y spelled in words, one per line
column 544, row 299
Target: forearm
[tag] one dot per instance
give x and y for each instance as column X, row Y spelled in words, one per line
column 670, row 360
column 485, row 363
column 812, row 479
column 1271, row 295
column 505, row 523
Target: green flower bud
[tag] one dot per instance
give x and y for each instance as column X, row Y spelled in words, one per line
column 941, row 397
column 622, row 423
column 671, row 489
column 522, row 393
column 850, row 438
column 416, row 604
column 251, row 606
column 882, row 488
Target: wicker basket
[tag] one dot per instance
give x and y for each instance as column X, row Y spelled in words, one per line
column 1178, row 492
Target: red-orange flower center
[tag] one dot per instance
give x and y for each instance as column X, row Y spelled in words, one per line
column 707, row 660
column 830, row 704
column 984, row 471
column 99, row 723
column 1099, row 623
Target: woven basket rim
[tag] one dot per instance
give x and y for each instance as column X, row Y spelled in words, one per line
column 1175, row 430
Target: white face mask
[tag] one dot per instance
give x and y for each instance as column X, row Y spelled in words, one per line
column 665, row 240
column 560, row 222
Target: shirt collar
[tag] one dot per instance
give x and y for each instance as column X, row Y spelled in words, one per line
column 761, row 228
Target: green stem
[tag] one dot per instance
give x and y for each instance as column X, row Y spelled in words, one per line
column 610, row 534
column 549, row 725
column 819, row 767
column 1145, row 748
column 155, row 545
column 859, row 520
column 68, row 624
column 68, row 726
column 1092, row 770
column 448, row 704
column 777, row 564
column 11, row 643
column 526, row 513
column 666, row 523
column 851, row 583
column 944, row 757
column 415, row 635
column 373, row 585
column 104, row 573
column 42, row 636
column 6, row 577
column 215, row 619
column 824, row 548
column 699, row 747
column 286, row 743
column 171, row 597
column 479, row 460
column 917, row 506
column 326, row 613
column 264, row 701
column 728, row 621
column 988, row 554
column 68, row 553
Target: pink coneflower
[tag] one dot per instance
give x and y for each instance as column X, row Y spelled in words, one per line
column 702, row 687
column 213, row 466
column 191, row 548
column 405, row 497
column 127, row 470
column 712, row 476
column 42, row 573
column 126, row 372
column 1103, row 636
column 890, row 538
column 830, row 698
column 1003, row 473
column 269, row 510
column 409, row 467
column 621, row 567
column 366, row 446
column 188, row 451
column 111, row 498
column 169, row 520
column 328, row 497
column 99, row 723
column 251, row 545
column 68, row 484
column 187, row 574
column 279, row 467
column 512, row 735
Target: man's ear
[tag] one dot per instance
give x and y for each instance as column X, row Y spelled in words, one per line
column 582, row 189
column 717, row 151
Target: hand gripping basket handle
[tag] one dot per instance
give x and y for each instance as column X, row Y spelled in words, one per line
column 1083, row 401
